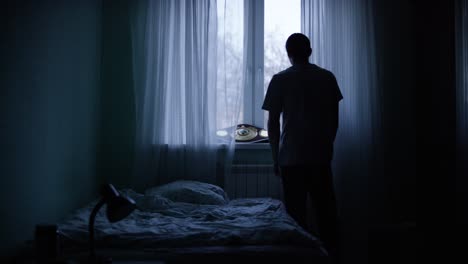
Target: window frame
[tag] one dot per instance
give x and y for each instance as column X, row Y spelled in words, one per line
column 254, row 54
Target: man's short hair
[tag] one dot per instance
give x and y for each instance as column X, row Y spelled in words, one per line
column 298, row 46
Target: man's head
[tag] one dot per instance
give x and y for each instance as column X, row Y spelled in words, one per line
column 298, row 48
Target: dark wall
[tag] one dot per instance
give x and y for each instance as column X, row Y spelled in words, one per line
column 415, row 47
column 415, row 42
column 50, row 52
column 435, row 34
column 392, row 193
column 462, row 117
column 395, row 188
column 116, row 148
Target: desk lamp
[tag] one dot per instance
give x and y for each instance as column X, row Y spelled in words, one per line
column 118, row 207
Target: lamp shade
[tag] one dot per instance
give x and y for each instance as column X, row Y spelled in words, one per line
column 118, row 206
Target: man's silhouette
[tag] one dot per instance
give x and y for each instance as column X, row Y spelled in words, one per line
column 307, row 96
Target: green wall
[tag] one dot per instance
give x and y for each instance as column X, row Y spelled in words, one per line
column 49, row 107
column 117, row 134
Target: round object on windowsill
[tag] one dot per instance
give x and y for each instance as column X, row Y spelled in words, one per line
column 246, row 133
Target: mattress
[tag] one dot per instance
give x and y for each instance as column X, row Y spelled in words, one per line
column 159, row 223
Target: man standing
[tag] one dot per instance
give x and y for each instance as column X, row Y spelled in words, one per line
column 307, row 96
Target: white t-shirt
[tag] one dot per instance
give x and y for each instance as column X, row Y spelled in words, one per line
column 308, row 97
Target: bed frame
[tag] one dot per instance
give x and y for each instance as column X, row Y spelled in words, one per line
column 212, row 254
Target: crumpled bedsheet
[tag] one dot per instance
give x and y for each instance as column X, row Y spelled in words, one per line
column 158, row 221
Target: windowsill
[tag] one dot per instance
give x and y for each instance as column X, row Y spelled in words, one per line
column 253, row 146
column 237, row 146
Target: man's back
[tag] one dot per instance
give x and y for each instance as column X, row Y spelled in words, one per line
column 308, row 97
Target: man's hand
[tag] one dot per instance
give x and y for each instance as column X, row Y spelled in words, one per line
column 274, row 135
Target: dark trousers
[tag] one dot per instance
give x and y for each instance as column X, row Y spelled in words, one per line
column 314, row 180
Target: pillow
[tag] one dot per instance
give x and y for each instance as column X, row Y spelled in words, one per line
column 145, row 202
column 154, row 202
column 190, row 192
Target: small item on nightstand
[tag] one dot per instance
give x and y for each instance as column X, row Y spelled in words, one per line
column 46, row 242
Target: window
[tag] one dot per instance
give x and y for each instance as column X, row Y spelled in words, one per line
column 282, row 18
column 230, row 56
column 252, row 37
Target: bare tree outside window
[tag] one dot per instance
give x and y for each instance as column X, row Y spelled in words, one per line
column 282, row 18
column 230, row 59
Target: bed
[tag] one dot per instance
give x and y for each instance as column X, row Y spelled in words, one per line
column 193, row 221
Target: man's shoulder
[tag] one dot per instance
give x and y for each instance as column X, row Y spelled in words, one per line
column 283, row 72
column 324, row 71
column 310, row 68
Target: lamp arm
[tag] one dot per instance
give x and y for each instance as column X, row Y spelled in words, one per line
column 91, row 226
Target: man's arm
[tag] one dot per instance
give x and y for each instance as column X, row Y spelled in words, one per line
column 335, row 119
column 273, row 104
column 335, row 107
column 274, row 136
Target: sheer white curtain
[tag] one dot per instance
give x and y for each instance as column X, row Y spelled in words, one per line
column 231, row 63
column 342, row 38
column 175, row 76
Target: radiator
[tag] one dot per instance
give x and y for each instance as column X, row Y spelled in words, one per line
column 253, row 181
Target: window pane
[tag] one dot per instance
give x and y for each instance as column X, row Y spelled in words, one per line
column 282, row 18
column 229, row 56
